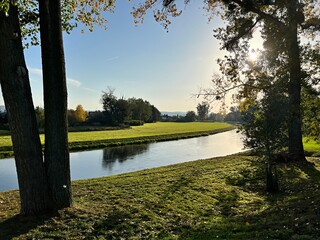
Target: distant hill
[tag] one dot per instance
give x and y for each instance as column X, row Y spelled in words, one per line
column 173, row 113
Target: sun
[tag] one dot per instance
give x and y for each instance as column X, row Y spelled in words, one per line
column 253, row 56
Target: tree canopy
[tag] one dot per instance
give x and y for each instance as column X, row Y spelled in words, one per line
column 288, row 58
column 119, row 111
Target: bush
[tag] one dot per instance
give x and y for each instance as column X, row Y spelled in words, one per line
column 134, row 122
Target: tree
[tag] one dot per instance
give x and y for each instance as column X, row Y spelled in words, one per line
column 216, row 117
column 234, row 115
column 72, row 121
column 203, row 110
column 156, row 114
column 96, row 118
column 117, row 111
column 283, row 21
column 265, row 128
column 80, row 114
column 55, row 103
column 40, row 116
column 86, row 12
column 109, row 100
column 121, row 111
column 311, row 113
column 191, row 116
column 140, row 109
column 16, row 92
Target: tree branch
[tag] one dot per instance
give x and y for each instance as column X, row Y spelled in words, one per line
column 228, row 45
column 312, row 23
column 248, row 6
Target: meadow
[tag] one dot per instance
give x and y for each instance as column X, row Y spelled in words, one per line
column 220, row 198
column 150, row 132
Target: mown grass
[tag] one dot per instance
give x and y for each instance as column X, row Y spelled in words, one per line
column 221, row 198
column 160, row 131
column 310, row 145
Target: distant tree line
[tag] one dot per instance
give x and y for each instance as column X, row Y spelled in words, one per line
column 234, row 116
column 131, row 111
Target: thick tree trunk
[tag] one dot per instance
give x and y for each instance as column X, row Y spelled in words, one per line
column 296, row 151
column 55, row 104
column 16, row 91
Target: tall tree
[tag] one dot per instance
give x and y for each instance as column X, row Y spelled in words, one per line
column 203, row 110
column 290, row 19
column 55, row 104
column 16, row 92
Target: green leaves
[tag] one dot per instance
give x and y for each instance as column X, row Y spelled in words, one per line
column 4, row 6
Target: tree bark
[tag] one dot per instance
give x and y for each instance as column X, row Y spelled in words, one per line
column 296, row 151
column 17, row 96
column 55, row 104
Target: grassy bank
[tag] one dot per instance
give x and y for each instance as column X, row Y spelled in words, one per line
column 138, row 134
column 220, row 198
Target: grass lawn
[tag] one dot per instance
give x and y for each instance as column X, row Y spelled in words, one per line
column 221, row 198
column 160, row 131
column 147, row 130
column 311, row 145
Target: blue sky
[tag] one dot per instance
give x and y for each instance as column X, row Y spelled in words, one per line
column 138, row 61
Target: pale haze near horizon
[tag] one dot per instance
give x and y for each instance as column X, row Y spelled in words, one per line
column 142, row 61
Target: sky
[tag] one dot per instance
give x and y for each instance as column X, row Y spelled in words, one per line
column 144, row 61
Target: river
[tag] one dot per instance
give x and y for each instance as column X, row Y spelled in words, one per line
column 124, row 159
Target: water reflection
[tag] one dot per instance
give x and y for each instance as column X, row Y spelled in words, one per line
column 121, row 154
column 116, row 160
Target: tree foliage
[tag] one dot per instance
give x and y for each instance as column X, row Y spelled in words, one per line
column 203, row 110
column 118, row 111
column 74, row 12
column 80, row 114
column 281, row 23
column 40, row 116
column 191, row 116
column 311, row 113
column 265, row 123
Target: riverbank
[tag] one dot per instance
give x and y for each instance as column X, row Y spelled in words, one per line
column 152, row 132
column 220, row 198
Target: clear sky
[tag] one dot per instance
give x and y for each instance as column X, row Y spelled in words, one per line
column 138, row 61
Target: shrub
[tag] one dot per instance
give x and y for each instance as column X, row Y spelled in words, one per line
column 134, row 122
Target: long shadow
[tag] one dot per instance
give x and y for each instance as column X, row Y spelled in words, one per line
column 18, row 225
column 293, row 213
column 183, row 181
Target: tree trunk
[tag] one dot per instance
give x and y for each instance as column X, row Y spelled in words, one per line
column 16, row 92
column 55, row 104
column 296, row 151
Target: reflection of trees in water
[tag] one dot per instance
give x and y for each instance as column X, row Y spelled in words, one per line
column 121, row 154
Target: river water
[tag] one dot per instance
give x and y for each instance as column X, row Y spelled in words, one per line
column 117, row 160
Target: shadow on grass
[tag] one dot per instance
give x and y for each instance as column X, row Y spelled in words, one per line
column 177, row 186
column 18, row 225
column 293, row 213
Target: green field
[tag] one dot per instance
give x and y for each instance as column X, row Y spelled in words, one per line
column 160, row 131
column 147, row 130
column 221, row 198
